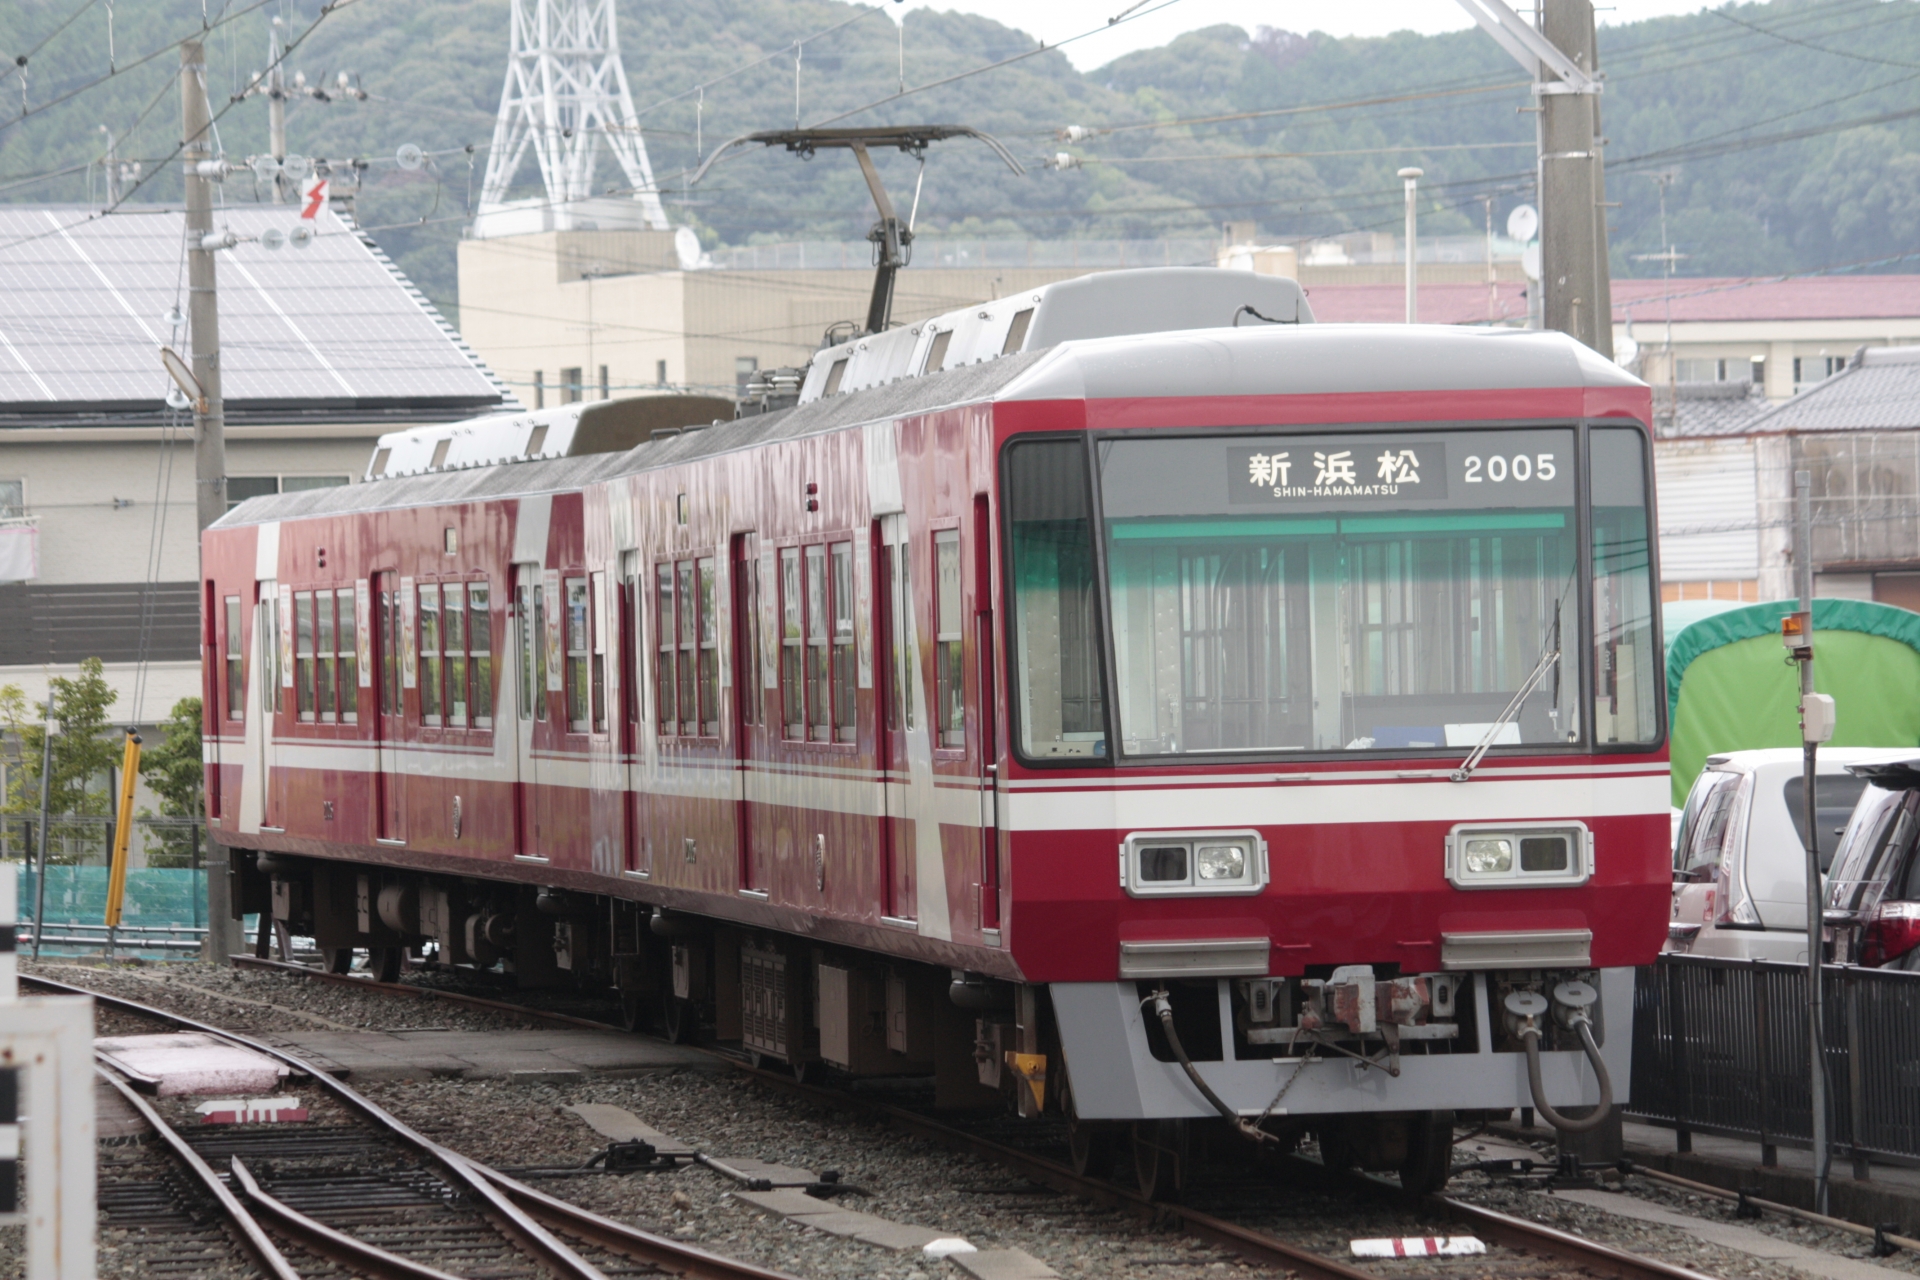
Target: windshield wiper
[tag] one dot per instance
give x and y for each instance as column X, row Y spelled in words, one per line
column 1472, row 762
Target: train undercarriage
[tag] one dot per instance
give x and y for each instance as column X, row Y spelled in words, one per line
column 984, row 1044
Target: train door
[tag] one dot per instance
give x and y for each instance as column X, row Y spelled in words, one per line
column 390, row 724
column 268, row 681
column 749, row 705
column 893, row 669
column 530, row 607
column 986, row 740
column 632, row 707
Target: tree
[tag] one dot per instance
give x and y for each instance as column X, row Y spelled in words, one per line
column 84, row 750
column 175, row 772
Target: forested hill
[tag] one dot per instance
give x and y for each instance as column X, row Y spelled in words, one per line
column 1790, row 131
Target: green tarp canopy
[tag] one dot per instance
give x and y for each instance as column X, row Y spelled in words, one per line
column 1732, row 687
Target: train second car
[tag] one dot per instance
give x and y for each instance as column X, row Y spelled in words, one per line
column 1103, row 701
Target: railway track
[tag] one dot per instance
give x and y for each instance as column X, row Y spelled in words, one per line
column 1528, row 1245
column 359, row 1194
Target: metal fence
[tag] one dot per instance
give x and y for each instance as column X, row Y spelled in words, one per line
column 82, row 840
column 1720, row 1046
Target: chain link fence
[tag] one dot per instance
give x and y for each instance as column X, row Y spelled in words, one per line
column 163, row 913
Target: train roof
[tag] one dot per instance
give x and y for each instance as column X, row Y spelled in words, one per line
column 1271, row 360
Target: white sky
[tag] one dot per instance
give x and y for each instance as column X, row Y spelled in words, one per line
column 1054, row 20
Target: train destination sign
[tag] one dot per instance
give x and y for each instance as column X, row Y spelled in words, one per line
column 1288, row 471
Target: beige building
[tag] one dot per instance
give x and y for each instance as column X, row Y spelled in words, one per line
column 570, row 315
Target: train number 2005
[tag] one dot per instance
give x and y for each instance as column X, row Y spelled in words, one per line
column 1521, row 466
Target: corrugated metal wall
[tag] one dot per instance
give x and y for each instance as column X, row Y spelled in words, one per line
column 1708, row 510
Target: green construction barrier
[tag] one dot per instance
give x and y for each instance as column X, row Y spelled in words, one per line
column 1732, row 687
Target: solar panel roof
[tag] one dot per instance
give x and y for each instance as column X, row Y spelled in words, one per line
column 85, row 300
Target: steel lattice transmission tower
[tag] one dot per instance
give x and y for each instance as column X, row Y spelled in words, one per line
column 566, row 99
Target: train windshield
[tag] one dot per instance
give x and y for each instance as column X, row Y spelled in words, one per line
column 1346, row 591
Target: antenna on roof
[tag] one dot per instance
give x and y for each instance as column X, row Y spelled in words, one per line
column 894, row 240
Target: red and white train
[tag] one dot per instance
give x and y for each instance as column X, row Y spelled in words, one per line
column 1127, row 699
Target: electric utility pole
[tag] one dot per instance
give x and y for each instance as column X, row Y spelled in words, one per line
column 1563, row 57
column 203, row 312
column 209, row 422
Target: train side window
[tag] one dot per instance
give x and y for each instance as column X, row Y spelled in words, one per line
column 577, row 640
column 599, row 607
column 453, row 599
column 266, row 636
column 303, row 654
column 523, row 593
column 897, row 571
column 480, row 652
column 844, row 699
column 236, row 663
column 1625, row 643
column 688, row 642
column 326, row 659
column 792, row 692
column 664, row 683
column 950, row 693
column 819, row 727
column 389, row 647
column 749, row 688
column 709, row 632
column 431, row 663
column 347, row 638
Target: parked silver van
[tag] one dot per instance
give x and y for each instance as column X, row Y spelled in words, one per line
column 1740, row 853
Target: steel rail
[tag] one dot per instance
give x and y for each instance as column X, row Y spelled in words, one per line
column 318, row 1238
column 252, row 1234
column 513, row 1221
column 1513, row 1233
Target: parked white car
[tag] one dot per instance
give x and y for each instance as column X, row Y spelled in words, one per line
column 1740, row 853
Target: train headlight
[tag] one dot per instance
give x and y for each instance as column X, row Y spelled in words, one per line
column 1170, row 863
column 1489, row 855
column 1514, row 855
column 1221, row 861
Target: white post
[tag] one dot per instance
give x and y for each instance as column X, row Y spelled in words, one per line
column 1412, row 178
column 50, row 1041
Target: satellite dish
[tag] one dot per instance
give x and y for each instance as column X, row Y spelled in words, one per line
column 273, row 238
column 410, row 157
column 301, row 236
column 686, row 247
column 1530, row 260
column 1625, row 352
column 297, row 168
column 264, row 167
column 1523, row 224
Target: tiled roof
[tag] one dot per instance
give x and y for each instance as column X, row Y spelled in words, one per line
column 1878, row 391
column 1708, row 408
column 1731, row 299
column 1694, row 300
column 330, row 325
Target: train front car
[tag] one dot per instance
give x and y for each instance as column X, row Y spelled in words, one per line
column 1336, row 789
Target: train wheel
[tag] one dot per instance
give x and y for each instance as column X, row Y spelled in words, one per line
column 385, row 962
column 677, row 1019
column 1090, row 1143
column 336, row 959
column 633, row 1011
column 1336, row 1146
column 1161, row 1150
column 1429, row 1161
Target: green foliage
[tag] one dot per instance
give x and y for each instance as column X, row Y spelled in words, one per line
column 175, row 773
column 84, row 748
column 1688, row 95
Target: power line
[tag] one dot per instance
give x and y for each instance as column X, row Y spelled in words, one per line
column 20, row 61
